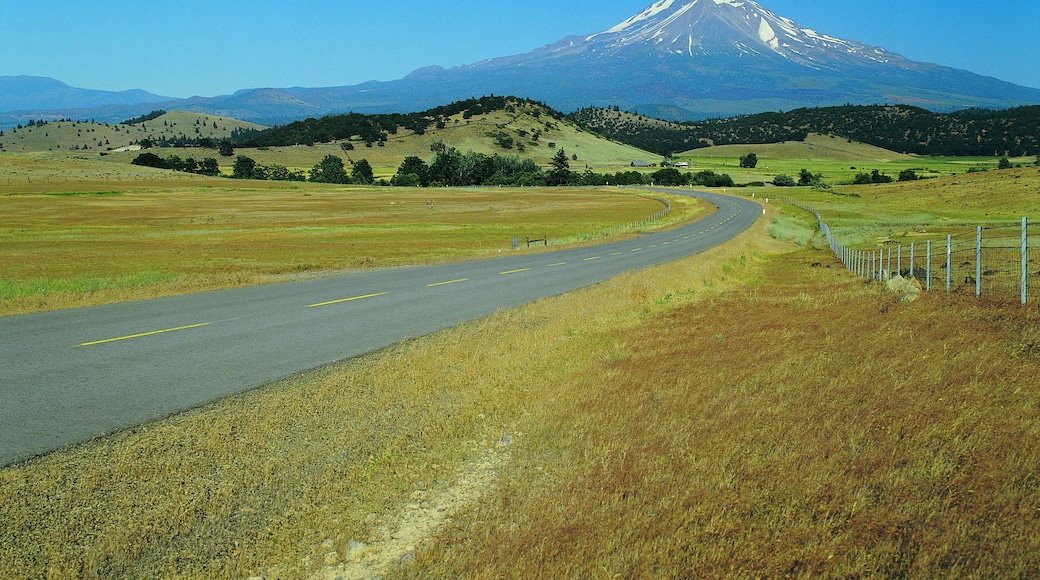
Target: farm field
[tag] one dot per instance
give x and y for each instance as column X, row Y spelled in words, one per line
column 145, row 233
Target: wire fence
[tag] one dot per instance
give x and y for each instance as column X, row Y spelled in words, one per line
column 997, row 261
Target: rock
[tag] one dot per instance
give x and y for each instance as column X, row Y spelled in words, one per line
column 407, row 559
column 356, row 551
column 908, row 290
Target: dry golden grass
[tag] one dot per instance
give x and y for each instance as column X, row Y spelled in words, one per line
column 799, row 425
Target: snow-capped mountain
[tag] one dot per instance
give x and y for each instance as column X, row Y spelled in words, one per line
column 676, row 59
column 706, row 27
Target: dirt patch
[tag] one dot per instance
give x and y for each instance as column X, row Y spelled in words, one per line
column 393, row 539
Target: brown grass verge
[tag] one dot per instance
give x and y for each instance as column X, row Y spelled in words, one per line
column 801, row 425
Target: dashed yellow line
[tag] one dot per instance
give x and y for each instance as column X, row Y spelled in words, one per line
column 592, row 258
column 447, row 283
column 557, row 264
column 514, row 271
column 143, row 334
column 348, row 299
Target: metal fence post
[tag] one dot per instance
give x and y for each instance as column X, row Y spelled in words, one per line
column 899, row 260
column 949, row 259
column 978, row 261
column 928, row 267
column 1025, row 260
column 888, row 270
column 911, row 259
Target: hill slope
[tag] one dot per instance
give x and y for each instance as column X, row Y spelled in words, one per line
column 93, row 136
column 490, row 125
column 1014, row 132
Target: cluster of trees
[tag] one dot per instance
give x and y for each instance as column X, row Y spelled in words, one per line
column 452, row 168
column 1012, row 132
column 876, row 176
column 248, row 168
column 330, row 169
column 144, row 118
column 207, row 166
column 224, row 146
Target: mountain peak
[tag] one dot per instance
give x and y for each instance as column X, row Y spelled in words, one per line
column 739, row 27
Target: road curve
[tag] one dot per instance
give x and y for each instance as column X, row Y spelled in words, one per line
column 69, row 376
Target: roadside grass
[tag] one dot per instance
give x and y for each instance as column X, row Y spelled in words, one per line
column 268, row 482
column 797, row 424
column 60, row 250
column 870, row 215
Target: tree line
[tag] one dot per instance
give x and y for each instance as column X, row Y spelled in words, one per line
column 207, row 166
column 975, row 132
column 451, row 168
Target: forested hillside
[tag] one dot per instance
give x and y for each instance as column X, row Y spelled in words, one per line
column 1012, row 132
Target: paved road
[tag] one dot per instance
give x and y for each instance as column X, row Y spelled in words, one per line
column 71, row 375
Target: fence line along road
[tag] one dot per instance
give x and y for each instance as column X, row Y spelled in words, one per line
column 994, row 260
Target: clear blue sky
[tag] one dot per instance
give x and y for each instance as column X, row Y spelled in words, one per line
column 195, row 47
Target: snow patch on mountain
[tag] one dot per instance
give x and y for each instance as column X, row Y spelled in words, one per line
column 647, row 14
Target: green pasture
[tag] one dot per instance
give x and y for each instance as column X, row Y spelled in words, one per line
column 837, row 159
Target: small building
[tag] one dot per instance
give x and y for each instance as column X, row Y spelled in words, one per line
column 682, row 165
column 640, row 164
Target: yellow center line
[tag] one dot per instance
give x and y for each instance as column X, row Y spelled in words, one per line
column 617, row 253
column 557, row 264
column 592, row 258
column 448, row 282
column 638, row 250
column 514, row 271
column 348, row 299
column 143, row 334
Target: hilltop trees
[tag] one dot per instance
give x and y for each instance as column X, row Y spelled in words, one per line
column 749, row 161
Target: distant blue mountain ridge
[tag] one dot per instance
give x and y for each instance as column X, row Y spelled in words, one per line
column 675, row 60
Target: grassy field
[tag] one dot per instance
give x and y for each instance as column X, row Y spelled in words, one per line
column 737, row 413
column 74, row 244
column 837, row 159
column 872, row 215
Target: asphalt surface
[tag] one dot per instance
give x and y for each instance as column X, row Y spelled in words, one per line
column 69, row 376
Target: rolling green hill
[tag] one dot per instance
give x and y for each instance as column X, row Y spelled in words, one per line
column 517, row 127
column 94, row 137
